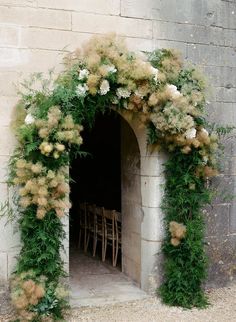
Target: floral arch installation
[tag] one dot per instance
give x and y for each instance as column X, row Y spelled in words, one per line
column 169, row 100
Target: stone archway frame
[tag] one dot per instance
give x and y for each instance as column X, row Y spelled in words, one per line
column 151, row 178
column 152, row 227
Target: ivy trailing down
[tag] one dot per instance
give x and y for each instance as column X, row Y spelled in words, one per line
column 169, row 100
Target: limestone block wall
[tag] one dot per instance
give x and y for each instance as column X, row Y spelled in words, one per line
column 35, row 34
column 142, row 180
column 131, row 203
column 205, row 31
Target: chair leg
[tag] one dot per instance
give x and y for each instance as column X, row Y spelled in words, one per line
column 104, row 250
column 94, row 245
column 113, row 252
column 87, row 242
column 117, row 249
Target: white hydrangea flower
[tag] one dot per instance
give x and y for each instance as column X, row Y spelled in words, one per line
column 191, row 133
column 81, row 90
column 205, row 159
column 122, row 92
column 155, row 72
column 29, row 119
column 83, row 74
column 111, row 69
column 205, row 131
column 104, row 87
column 173, row 90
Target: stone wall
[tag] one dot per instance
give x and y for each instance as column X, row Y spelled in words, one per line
column 35, row 34
column 142, row 219
column 131, row 203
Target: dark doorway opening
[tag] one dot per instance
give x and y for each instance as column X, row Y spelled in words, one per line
column 96, row 178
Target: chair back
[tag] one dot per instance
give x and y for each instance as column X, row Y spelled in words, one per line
column 99, row 219
column 91, row 217
column 118, row 220
column 110, row 222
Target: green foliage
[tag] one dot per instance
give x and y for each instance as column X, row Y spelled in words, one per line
column 185, row 264
column 50, row 305
column 152, row 135
column 35, row 88
column 186, row 77
column 221, row 130
column 42, row 241
column 157, row 56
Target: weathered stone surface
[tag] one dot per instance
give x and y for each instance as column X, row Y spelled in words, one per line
column 228, row 118
column 129, row 8
column 3, row 169
column 217, row 220
column 151, row 167
column 224, row 189
column 9, row 35
column 100, row 24
column 139, row 44
column 3, row 268
column 131, row 203
column 132, row 218
column 32, row 17
column 229, row 166
column 110, row 7
column 150, row 267
column 9, row 236
column 7, row 109
column 232, row 217
column 7, row 141
column 19, row 3
column 8, row 80
column 38, row 38
column 152, row 191
column 230, row 145
column 211, row 55
column 221, row 76
column 221, row 252
column 152, row 227
column 5, row 305
column 188, row 33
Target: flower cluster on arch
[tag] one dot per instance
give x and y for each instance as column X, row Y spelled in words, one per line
column 168, row 98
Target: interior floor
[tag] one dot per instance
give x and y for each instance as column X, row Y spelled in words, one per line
column 96, row 283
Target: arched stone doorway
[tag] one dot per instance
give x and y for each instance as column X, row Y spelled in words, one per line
column 151, row 226
column 141, row 178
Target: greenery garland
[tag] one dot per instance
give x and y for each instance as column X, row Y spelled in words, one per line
column 169, row 100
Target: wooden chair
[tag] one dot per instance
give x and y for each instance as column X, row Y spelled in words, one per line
column 99, row 230
column 91, row 223
column 111, row 236
column 82, row 224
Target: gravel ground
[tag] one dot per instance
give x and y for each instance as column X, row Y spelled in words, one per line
column 222, row 309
